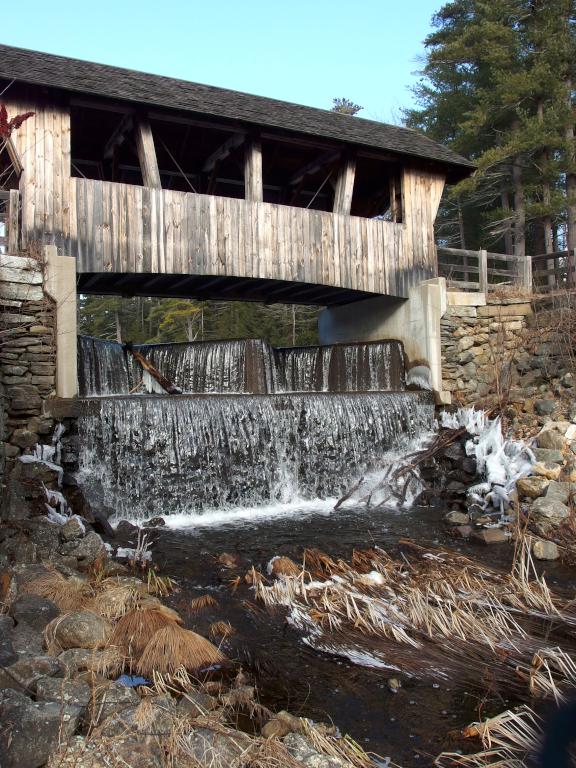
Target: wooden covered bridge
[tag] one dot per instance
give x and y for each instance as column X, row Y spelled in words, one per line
column 161, row 187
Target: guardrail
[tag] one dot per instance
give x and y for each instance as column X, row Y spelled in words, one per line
column 481, row 270
column 554, row 271
column 9, row 214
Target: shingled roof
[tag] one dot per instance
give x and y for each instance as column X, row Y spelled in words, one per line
column 85, row 77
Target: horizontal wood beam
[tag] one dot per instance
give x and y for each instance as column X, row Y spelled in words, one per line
column 223, row 151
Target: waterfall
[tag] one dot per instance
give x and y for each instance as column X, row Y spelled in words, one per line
column 102, row 368
column 146, row 456
column 361, row 367
column 247, row 366
column 240, row 366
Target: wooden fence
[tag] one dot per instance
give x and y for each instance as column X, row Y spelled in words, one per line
column 483, row 271
column 9, row 212
column 554, row 271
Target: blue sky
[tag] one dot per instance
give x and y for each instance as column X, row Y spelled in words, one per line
column 307, row 52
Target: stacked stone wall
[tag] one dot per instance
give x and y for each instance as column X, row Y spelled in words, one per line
column 485, row 348
column 27, row 353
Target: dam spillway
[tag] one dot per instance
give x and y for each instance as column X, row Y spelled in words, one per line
column 264, row 426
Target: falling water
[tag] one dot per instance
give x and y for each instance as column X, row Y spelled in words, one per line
column 155, row 456
column 102, row 368
column 247, row 366
column 362, row 367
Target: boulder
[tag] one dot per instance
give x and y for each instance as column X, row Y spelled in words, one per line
column 552, row 440
column 31, row 731
column 24, row 438
column 456, row 518
column 155, row 522
column 82, row 629
column 73, row 692
column 532, row 487
column 24, row 674
column 87, row 550
column 212, row 748
column 549, row 509
column 33, row 610
column 490, row 536
column 545, row 550
column 196, row 703
column 101, row 752
column 112, row 699
column 72, row 530
column 549, row 471
column 281, row 725
column 7, row 653
column 548, row 455
column 545, row 407
column 159, row 720
column 560, row 491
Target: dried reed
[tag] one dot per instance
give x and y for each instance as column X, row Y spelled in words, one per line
column 172, row 647
column 68, row 594
column 203, row 602
column 221, row 629
column 134, row 630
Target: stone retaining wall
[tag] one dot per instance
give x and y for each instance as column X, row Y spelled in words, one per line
column 27, row 353
column 483, row 345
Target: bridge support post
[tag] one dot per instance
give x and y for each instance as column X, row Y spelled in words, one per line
column 60, row 285
column 414, row 321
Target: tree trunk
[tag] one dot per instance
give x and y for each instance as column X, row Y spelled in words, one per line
column 508, row 237
column 570, row 187
column 118, row 326
column 519, row 205
column 546, row 223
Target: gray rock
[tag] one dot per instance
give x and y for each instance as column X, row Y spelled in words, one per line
column 86, row 550
column 27, row 641
column 72, row 530
column 551, row 510
column 159, row 720
column 23, row 438
column 25, row 673
column 210, row 748
column 82, row 629
column 545, row 550
column 456, row 518
column 532, row 487
column 490, row 536
column 33, row 610
column 79, row 660
column 100, row 752
column 548, row 456
column 73, row 692
column 558, row 491
column 7, row 653
column 112, row 699
column 197, row 703
column 545, row 407
column 31, row 731
column 551, row 439
column 303, row 751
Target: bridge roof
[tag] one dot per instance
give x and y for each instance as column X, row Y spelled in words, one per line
column 128, row 85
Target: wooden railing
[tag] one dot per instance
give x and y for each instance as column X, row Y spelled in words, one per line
column 9, row 229
column 130, row 229
column 483, row 271
column 554, row 271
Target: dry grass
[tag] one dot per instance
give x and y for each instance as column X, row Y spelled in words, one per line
column 283, row 566
column 172, row 647
column 436, row 614
column 114, row 601
column 134, row 630
column 508, row 740
column 221, row 629
column 70, row 594
column 202, row 603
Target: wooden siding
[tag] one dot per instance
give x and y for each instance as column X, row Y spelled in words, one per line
column 43, row 144
column 126, row 229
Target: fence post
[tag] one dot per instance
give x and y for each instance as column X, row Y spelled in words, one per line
column 12, row 220
column 483, row 271
column 525, row 272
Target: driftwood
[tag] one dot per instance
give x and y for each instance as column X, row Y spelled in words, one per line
column 146, row 365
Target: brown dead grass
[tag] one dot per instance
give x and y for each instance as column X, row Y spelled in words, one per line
column 172, row 647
